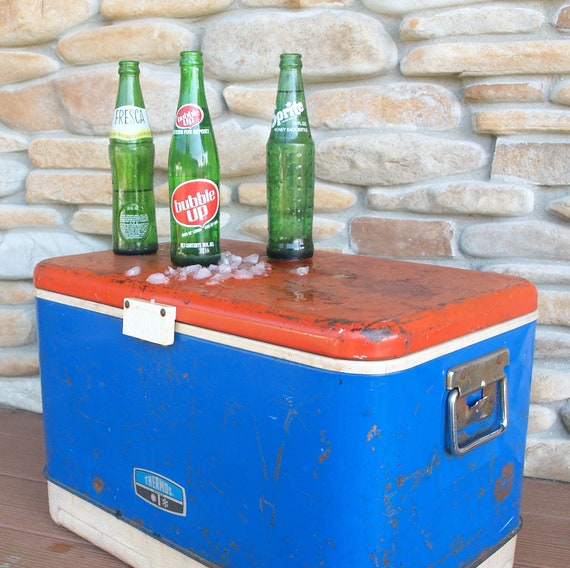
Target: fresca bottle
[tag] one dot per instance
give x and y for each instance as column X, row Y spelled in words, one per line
column 193, row 172
column 290, row 168
column 131, row 156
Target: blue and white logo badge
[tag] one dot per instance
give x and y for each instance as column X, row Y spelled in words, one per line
column 160, row 492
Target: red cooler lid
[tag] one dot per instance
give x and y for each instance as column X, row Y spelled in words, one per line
column 346, row 307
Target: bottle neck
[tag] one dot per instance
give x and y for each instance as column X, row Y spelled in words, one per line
column 192, row 109
column 129, row 91
column 290, row 119
column 130, row 120
column 191, row 84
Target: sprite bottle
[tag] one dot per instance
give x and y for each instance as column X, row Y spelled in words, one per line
column 131, row 156
column 193, row 172
column 290, row 168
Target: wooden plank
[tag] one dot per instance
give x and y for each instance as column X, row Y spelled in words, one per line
column 22, row 457
column 546, row 498
column 19, row 549
column 544, row 543
column 20, row 423
column 24, row 507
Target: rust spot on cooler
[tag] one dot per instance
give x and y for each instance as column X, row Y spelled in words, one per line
column 98, row 484
column 504, row 484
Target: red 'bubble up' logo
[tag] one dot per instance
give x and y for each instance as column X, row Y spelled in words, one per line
column 189, row 115
column 195, row 202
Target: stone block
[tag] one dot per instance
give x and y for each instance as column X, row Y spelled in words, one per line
column 20, row 251
column 540, row 418
column 12, row 176
column 394, row 158
column 561, row 93
column 230, row 54
column 23, row 393
column 462, row 198
column 18, row 66
column 521, row 121
column 80, row 187
column 402, row 104
column 552, row 343
column 28, row 23
column 548, row 457
column 540, row 162
column 19, row 362
column 251, row 101
column 553, row 307
column 522, row 239
column 33, row 108
column 560, row 207
column 406, row 6
column 72, row 153
column 471, row 21
column 13, row 216
column 563, row 18
column 142, row 41
column 241, row 151
column 12, row 141
column 401, row 238
column 120, row 10
column 19, row 292
column 497, row 92
column 488, row 58
column 550, row 381
column 17, row 326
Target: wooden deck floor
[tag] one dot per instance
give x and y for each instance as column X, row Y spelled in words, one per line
column 29, row 538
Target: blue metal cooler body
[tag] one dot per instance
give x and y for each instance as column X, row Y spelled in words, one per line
column 238, row 452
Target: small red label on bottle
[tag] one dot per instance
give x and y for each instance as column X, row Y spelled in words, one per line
column 189, row 115
column 195, row 202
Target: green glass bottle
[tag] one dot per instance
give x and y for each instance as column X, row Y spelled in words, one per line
column 290, row 168
column 193, row 172
column 131, row 156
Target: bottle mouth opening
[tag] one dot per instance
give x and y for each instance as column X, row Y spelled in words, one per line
column 190, row 57
column 129, row 65
column 290, row 59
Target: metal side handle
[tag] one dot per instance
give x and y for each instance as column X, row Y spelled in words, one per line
column 485, row 375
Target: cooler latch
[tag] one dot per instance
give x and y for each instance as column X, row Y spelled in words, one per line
column 474, row 416
column 149, row 321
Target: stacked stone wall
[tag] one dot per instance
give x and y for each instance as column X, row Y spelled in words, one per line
column 441, row 131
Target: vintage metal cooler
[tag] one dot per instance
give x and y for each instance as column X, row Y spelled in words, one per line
column 371, row 413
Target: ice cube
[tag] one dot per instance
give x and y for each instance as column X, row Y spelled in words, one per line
column 242, row 274
column 301, row 271
column 134, row 271
column 171, row 272
column 202, row 273
column 252, row 258
column 158, row 278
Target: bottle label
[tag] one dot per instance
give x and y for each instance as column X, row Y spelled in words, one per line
column 130, row 123
column 291, row 111
column 188, row 117
column 134, row 223
column 194, row 203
